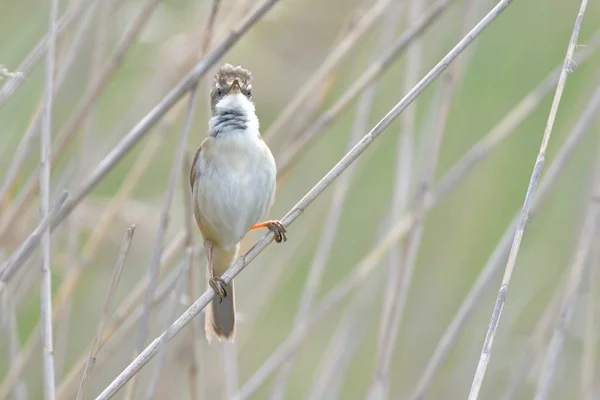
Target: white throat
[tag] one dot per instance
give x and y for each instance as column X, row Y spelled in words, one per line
column 234, row 113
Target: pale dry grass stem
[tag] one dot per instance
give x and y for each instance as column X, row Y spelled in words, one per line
column 512, row 257
column 331, row 62
column 590, row 343
column 392, row 316
column 83, row 107
column 125, row 320
column 499, row 253
column 404, row 152
column 9, row 321
column 163, row 224
column 46, row 277
column 64, row 294
column 345, row 341
column 537, row 339
column 288, row 157
column 71, row 15
column 20, row 255
column 307, row 111
column 338, row 200
column 118, row 270
column 196, row 382
column 578, row 267
column 172, row 309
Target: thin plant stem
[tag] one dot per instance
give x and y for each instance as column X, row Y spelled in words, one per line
column 172, row 306
column 392, row 316
column 501, row 250
column 345, row 341
column 125, row 320
column 69, row 17
column 46, row 278
column 164, row 222
column 573, row 282
column 193, row 289
column 292, row 152
column 512, row 258
column 18, row 257
column 89, row 365
column 404, row 152
column 335, row 57
column 7, row 306
column 536, row 342
column 63, row 68
column 78, row 116
column 590, row 338
column 338, row 200
column 126, row 308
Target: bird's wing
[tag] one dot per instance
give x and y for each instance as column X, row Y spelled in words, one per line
column 193, row 169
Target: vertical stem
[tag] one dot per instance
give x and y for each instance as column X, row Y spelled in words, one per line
column 46, row 281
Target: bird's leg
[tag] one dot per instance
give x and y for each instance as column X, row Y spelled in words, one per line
column 215, row 282
column 274, row 226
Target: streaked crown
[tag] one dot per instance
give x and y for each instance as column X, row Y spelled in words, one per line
column 228, row 80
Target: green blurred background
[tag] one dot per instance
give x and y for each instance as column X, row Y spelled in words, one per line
column 509, row 59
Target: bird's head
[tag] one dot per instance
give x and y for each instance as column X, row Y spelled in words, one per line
column 232, row 88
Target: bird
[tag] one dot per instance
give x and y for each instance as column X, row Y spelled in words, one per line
column 233, row 181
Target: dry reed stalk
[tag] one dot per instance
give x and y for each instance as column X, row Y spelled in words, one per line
column 590, row 339
column 122, row 326
column 338, row 200
column 288, row 157
column 499, row 253
column 46, row 277
column 69, row 17
column 82, row 108
column 89, row 365
column 344, row 343
column 404, row 151
column 162, row 350
column 331, row 62
column 164, row 222
column 196, row 383
column 512, row 258
column 578, row 266
column 392, row 316
column 9, row 320
column 65, row 61
column 67, row 290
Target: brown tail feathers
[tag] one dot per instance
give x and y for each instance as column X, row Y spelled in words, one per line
column 220, row 316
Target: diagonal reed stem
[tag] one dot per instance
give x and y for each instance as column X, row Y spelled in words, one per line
column 512, row 257
column 89, row 365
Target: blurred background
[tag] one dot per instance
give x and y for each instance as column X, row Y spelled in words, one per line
column 118, row 58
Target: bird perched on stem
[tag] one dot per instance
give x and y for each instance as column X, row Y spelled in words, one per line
column 233, row 178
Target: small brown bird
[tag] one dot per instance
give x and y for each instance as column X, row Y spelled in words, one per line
column 233, row 178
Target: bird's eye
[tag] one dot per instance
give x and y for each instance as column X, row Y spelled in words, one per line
column 219, row 91
column 249, row 92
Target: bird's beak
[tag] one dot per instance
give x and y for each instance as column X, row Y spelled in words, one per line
column 235, row 87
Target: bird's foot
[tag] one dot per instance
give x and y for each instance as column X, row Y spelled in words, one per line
column 278, row 229
column 219, row 286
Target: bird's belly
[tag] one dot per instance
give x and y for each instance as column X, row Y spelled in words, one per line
column 231, row 196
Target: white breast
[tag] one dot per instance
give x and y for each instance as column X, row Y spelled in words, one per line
column 235, row 183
